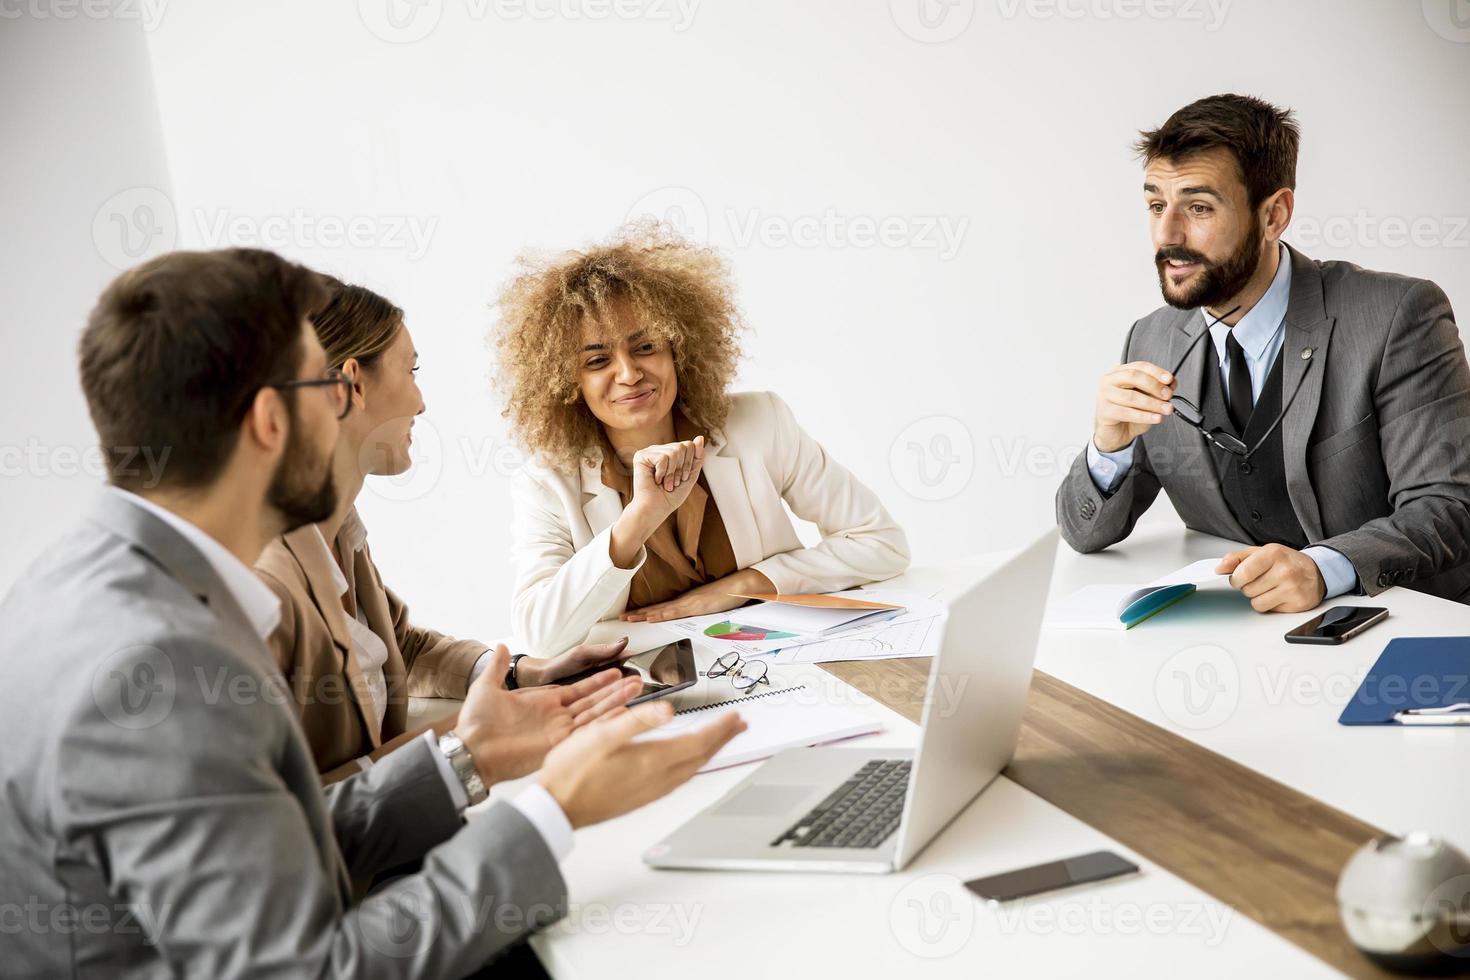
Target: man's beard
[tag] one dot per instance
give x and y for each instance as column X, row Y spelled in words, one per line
column 295, row 494
column 1218, row 282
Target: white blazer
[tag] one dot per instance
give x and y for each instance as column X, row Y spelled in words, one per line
column 561, row 536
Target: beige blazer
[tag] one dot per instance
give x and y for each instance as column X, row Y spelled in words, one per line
column 761, row 458
column 313, row 647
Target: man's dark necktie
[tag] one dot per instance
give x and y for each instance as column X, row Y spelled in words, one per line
column 1240, row 384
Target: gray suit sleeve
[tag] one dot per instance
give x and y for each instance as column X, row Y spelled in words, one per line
column 201, row 835
column 392, row 813
column 1091, row 520
column 1422, row 400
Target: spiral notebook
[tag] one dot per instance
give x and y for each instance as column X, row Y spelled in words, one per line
column 776, row 720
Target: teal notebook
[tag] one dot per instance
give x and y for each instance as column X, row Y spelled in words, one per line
column 1121, row 607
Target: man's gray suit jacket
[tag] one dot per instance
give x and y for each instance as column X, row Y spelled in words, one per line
column 160, row 813
column 1376, row 438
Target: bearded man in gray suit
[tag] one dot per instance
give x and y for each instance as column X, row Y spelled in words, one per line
column 1320, row 411
column 160, row 812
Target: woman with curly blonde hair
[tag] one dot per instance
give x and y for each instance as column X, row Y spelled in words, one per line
column 653, row 492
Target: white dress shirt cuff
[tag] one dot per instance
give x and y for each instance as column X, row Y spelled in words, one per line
column 1338, row 573
column 546, row 815
column 480, row 665
column 457, row 794
column 534, row 803
column 1109, row 469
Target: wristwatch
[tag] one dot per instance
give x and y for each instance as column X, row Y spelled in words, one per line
column 510, row 672
column 463, row 765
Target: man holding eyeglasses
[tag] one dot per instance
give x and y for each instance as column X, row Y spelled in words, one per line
column 160, row 811
column 1317, row 410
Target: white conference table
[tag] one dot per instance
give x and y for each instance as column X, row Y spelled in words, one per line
column 1212, row 670
column 1209, row 669
column 627, row 920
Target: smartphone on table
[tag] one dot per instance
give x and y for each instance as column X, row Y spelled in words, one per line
column 662, row 672
column 1337, row 625
column 1025, row 882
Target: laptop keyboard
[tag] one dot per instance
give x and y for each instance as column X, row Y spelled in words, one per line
column 862, row 812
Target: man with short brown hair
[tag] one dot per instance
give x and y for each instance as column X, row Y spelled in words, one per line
column 1321, row 411
column 160, row 811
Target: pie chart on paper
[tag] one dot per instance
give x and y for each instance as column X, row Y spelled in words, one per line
column 734, row 631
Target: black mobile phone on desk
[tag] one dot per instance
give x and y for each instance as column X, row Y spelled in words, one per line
column 662, row 672
column 1337, row 625
column 1025, row 882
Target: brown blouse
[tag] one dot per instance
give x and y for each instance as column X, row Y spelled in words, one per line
column 690, row 548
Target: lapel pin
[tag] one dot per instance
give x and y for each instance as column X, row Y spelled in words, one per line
column 1306, row 353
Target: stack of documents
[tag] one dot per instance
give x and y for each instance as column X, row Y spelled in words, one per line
column 860, row 624
column 815, row 615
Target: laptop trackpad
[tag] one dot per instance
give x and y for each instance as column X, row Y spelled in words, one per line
column 762, row 800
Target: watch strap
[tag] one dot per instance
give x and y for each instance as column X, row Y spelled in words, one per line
column 464, row 768
column 510, row 672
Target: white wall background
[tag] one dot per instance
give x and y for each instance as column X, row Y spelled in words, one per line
column 78, row 123
column 418, row 145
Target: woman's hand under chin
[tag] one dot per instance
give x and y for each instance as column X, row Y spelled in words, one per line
column 712, row 597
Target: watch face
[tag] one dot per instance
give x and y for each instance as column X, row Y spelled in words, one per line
column 463, row 765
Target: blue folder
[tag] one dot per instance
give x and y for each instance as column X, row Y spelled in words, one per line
column 1417, row 674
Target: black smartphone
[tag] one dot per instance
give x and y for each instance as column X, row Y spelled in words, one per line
column 1337, row 625
column 663, row 671
column 1097, row 866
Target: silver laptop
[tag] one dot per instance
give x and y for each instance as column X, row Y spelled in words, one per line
column 875, row 809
